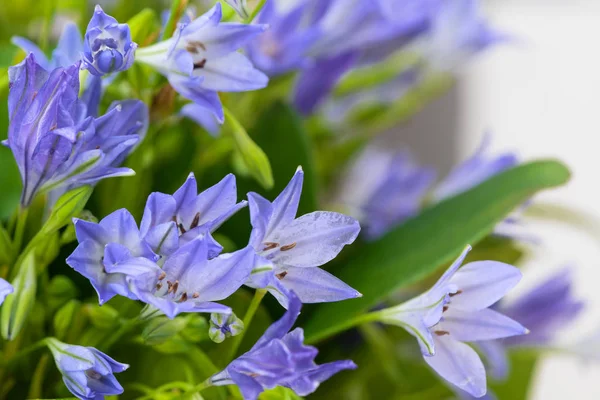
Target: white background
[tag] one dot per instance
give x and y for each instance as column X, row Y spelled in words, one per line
column 541, row 96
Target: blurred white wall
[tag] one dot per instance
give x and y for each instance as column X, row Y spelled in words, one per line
column 541, row 96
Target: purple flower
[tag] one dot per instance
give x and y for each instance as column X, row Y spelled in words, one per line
column 56, row 144
column 458, row 31
column 384, row 188
column 5, row 289
column 545, row 309
column 202, row 59
column 470, row 173
column 113, row 242
column 279, row 358
column 189, row 281
column 67, row 52
column 170, row 221
column 107, row 46
column 285, row 45
column 296, row 247
column 456, row 310
column 88, row 373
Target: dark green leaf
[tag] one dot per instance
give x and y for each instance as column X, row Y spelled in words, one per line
column 417, row 248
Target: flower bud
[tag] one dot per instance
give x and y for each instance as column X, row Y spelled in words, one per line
column 17, row 306
column 108, row 46
column 223, row 326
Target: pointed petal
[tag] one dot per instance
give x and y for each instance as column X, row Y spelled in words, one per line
column 29, row 47
column 231, row 73
column 459, row 364
column 313, row 379
column 203, row 117
column 285, row 206
column 249, row 387
column 187, row 192
column 163, row 239
column 70, row 46
column 314, row 238
column 483, row 283
column 92, row 94
column 261, row 210
column 192, row 88
column 85, row 230
column 414, row 324
column 223, row 275
column 471, row 326
column 314, row 285
column 160, row 209
column 226, row 38
column 188, row 261
column 282, row 326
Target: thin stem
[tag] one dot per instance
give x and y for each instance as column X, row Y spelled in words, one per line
column 351, row 323
column 256, row 10
column 197, row 389
column 252, row 308
column 26, row 351
column 35, row 389
column 20, row 228
column 177, row 7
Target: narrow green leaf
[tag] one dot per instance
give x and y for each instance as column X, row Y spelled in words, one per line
column 142, row 25
column 6, row 246
column 418, row 247
column 68, row 206
column 17, row 305
column 518, row 383
column 64, row 317
column 254, row 158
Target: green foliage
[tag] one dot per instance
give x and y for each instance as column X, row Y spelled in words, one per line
column 18, row 305
column 415, row 249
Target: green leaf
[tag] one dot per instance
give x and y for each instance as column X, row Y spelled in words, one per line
column 17, row 305
column 142, row 25
column 421, row 245
column 279, row 132
column 6, row 246
column 64, row 317
column 160, row 329
column 518, row 383
column 68, row 206
column 102, row 317
column 254, row 158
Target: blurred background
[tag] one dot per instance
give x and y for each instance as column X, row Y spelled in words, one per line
column 537, row 96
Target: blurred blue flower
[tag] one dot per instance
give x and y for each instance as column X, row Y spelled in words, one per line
column 545, row 309
column 476, row 169
column 296, row 247
column 5, row 289
column 384, row 188
column 456, row 310
column 67, row 52
column 171, row 221
column 56, row 145
column 88, row 373
column 115, row 240
column 107, row 46
column 202, row 59
column 189, row 281
column 279, row 358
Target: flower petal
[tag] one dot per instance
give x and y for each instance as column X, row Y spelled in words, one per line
column 313, row 239
column 231, row 73
column 285, row 206
column 483, row 283
column 471, row 326
column 459, row 364
column 311, row 380
column 314, row 285
column 282, row 326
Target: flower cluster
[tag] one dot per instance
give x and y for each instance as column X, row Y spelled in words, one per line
column 456, row 310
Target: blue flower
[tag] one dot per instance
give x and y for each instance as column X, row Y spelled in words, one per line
column 202, row 59
column 107, row 46
column 545, row 309
column 189, row 280
column 5, row 289
column 67, row 52
column 384, row 189
column 56, row 145
column 279, row 358
column 476, row 169
column 456, row 310
column 296, row 247
column 115, row 240
column 170, row 221
column 88, row 373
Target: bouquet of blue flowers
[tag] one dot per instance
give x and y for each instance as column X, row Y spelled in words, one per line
column 192, row 207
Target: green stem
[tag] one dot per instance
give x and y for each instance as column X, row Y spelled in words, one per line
column 20, row 229
column 256, row 10
column 35, row 389
column 177, row 7
column 252, row 308
column 351, row 323
column 197, row 389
